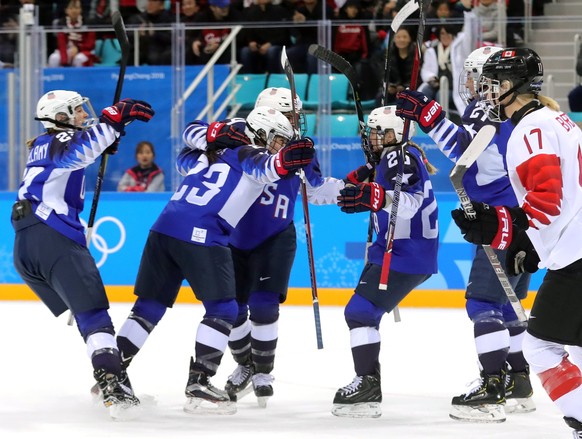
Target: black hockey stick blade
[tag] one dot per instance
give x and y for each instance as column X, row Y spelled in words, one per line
column 336, row 61
column 121, row 35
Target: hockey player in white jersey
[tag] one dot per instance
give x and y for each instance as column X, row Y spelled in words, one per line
column 497, row 331
column 224, row 175
column 544, row 159
column 263, row 246
column 50, row 250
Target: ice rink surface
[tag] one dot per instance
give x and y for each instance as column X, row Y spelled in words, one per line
column 426, row 359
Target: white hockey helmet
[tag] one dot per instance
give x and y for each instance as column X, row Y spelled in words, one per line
column 264, row 123
column 472, row 69
column 280, row 99
column 59, row 106
column 383, row 119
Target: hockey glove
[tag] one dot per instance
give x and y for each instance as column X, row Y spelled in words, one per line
column 124, row 112
column 229, row 133
column 296, row 154
column 521, row 255
column 359, row 175
column 114, row 147
column 361, row 198
column 416, row 106
column 493, row 225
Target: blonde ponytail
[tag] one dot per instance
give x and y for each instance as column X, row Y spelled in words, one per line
column 429, row 167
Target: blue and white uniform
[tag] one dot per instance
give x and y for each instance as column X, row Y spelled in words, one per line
column 498, row 333
column 54, row 177
column 263, row 246
column 189, row 240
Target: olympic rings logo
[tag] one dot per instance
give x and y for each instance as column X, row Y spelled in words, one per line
column 100, row 243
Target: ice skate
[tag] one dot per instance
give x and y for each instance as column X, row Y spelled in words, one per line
column 484, row 402
column 361, row 398
column 204, row 398
column 239, row 383
column 263, row 387
column 97, row 394
column 576, row 425
column 118, row 398
column 518, row 392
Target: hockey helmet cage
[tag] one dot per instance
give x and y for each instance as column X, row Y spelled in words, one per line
column 472, row 68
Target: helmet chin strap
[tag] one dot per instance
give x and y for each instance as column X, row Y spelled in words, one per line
column 58, row 124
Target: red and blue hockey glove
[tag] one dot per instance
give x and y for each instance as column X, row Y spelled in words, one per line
column 493, row 225
column 363, row 197
column 296, row 154
column 229, row 133
column 125, row 112
column 360, row 175
column 416, row 106
column 521, row 255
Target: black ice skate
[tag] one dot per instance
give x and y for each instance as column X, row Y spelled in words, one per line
column 239, row 383
column 97, row 394
column 359, row 399
column 204, row 398
column 484, row 402
column 118, row 398
column 576, row 425
column 518, row 392
column 263, row 387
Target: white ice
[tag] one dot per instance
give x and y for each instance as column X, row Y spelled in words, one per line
column 427, row 358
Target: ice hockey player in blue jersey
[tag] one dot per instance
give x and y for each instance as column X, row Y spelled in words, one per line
column 497, row 331
column 224, row 175
column 50, row 251
column 414, row 254
column 263, row 247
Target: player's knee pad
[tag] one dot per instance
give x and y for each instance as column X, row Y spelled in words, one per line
column 226, row 310
column 481, row 311
column 561, row 379
column 243, row 314
column 264, row 307
column 94, row 320
column 540, row 354
column 361, row 312
column 149, row 310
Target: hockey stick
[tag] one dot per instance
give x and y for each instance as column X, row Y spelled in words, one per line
column 291, row 78
column 387, row 260
column 475, row 148
column 344, row 67
column 121, row 36
column 407, row 10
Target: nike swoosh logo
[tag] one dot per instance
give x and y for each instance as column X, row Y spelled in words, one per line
column 363, row 283
column 264, row 278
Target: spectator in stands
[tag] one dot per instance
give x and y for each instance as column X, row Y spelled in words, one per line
column 73, row 48
column 128, row 8
column 203, row 44
column 440, row 12
column 352, row 41
column 401, row 61
column 575, row 96
column 446, row 59
column 262, row 45
column 488, row 13
column 146, row 176
column 516, row 10
column 300, row 59
column 155, row 46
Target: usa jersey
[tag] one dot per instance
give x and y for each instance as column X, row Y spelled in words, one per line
column 415, row 246
column 486, row 180
column 273, row 211
column 544, row 156
column 54, row 177
column 214, row 196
